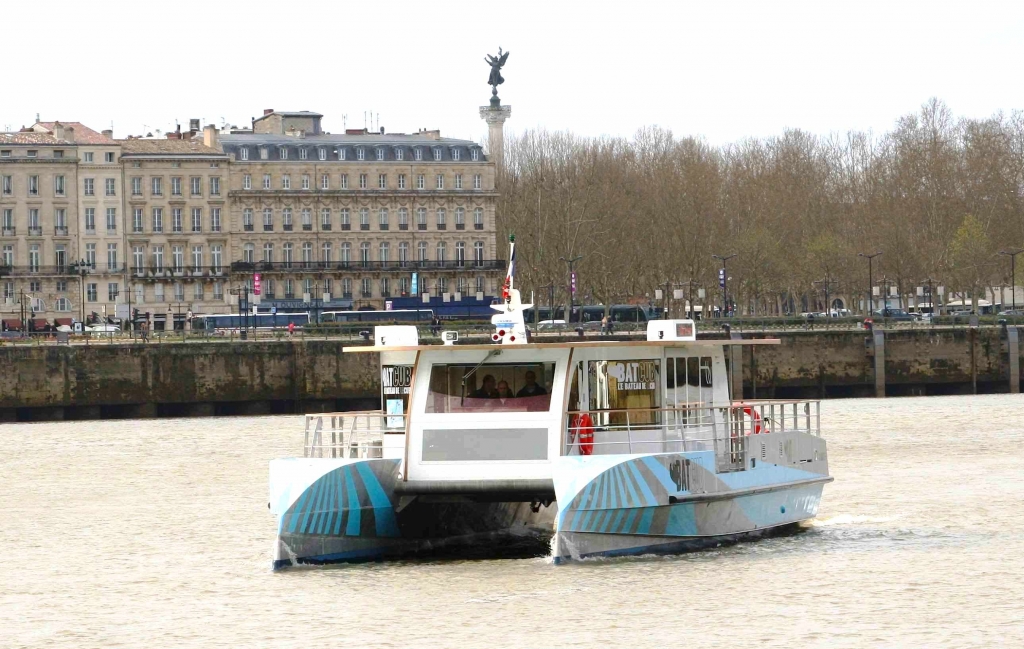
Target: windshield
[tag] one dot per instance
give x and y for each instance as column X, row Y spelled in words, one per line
column 497, row 387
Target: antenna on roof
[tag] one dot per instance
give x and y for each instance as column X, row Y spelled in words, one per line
column 344, row 121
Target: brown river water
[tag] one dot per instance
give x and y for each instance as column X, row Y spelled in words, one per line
column 156, row 533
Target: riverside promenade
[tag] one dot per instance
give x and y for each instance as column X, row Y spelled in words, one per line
column 119, row 378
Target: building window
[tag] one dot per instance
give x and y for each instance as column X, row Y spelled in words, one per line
column 440, row 181
column 266, row 181
column 91, row 292
column 247, row 219
column 399, row 153
column 325, row 218
column 441, row 218
column 216, row 258
column 263, row 153
column 325, row 182
column 442, row 247
column 33, row 185
column 421, row 251
column 286, row 182
column 286, row 255
column 403, row 253
column 158, row 186
column 421, row 218
column 380, row 153
column 382, row 181
column 111, row 256
column 460, row 218
column 179, row 292
column 458, row 181
column 196, row 186
column 401, row 181
column 175, row 186
column 197, row 219
column 344, row 181
column 282, row 153
column 286, row 219
column 307, row 219
column 478, row 218
column 62, row 304
column 475, row 154
column 307, row 255
column 109, row 182
column 158, row 258
column 403, row 218
column 137, row 219
column 138, row 258
column 367, row 291
column 346, row 287
column 243, row 153
column 305, row 181
column 289, row 289
column 477, row 182
column 384, row 254
column 158, row 292
column 478, row 253
column 249, row 253
column 58, row 185
column 437, row 153
column 268, row 219
column 268, row 253
column 364, row 219
column 158, row 219
column 360, row 153
column 383, row 217
column 345, row 223
column 385, row 287
column 303, row 154
column 325, row 252
column 8, row 185
column 214, row 219
column 214, row 186
column 90, row 220
column 111, row 220
column 176, row 225
column 246, row 181
column 218, row 291
column 421, row 182
column 87, row 156
column 197, row 259
column 346, row 253
column 362, row 181
column 137, row 186
column 456, row 154
column 364, row 253
column 341, row 153
column 321, row 153
column 418, row 153
column 89, row 186
column 197, row 291
column 178, row 258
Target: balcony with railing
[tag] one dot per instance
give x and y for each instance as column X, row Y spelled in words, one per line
column 35, row 231
column 9, row 232
column 367, row 265
column 32, row 270
column 59, row 231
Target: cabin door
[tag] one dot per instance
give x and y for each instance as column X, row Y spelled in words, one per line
column 689, row 399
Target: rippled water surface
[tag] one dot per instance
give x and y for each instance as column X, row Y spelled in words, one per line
column 156, row 533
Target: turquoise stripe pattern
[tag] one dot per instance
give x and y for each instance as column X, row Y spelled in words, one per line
column 355, row 499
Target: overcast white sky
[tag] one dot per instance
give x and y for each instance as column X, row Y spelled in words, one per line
column 721, row 70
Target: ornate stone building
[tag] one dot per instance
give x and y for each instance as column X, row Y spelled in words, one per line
column 38, row 226
column 354, row 217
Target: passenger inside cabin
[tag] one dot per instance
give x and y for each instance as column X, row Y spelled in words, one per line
column 503, row 391
column 487, row 390
column 530, row 388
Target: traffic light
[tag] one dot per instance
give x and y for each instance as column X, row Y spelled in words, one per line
column 135, row 315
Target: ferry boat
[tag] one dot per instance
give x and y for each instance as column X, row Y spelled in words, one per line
column 578, row 449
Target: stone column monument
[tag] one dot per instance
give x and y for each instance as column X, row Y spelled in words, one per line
column 495, row 114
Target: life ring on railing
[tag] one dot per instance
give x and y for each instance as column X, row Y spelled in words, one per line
column 583, row 424
column 758, row 426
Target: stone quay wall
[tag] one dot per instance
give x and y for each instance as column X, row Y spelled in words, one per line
column 52, row 382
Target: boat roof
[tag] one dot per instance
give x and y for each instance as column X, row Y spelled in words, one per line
column 562, row 345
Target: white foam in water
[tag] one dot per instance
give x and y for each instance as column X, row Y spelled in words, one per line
column 851, row 519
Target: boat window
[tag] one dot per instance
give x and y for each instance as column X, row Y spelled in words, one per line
column 497, row 387
column 396, row 381
column 621, row 391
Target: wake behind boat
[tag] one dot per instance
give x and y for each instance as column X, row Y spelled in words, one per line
column 612, row 447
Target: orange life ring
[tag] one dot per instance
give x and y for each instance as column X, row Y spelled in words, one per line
column 758, row 427
column 585, row 425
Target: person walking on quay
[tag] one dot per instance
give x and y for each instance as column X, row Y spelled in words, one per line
column 144, row 330
column 291, row 328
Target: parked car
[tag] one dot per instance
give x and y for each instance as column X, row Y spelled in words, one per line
column 103, row 328
column 549, row 325
column 893, row 314
column 1012, row 312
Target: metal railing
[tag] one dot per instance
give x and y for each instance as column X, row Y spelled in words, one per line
column 349, row 434
column 691, row 427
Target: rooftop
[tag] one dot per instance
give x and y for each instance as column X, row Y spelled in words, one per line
column 83, row 134
column 368, row 139
column 154, row 146
column 288, row 113
column 28, row 137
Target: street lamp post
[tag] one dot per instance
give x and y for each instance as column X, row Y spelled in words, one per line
column 1012, row 254
column 725, row 281
column 572, row 292
column 871, row 289
column 81, row 268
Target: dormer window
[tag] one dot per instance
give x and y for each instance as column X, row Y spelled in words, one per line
column 283, row 153
column 243, row 153
column 456, row 154
column 303, row 154
column 263, row 153
column 475, row 154
column 380, row 153
column 321, row 153
column 399, row 153
column 419, row 153
column 341, row 153
column 360, row 153
column 437, row 153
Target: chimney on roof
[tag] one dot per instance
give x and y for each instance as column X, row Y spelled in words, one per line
column 267, row 111
column 108, row 133
column 210, row 136
column 69, row 133
column 58, row 130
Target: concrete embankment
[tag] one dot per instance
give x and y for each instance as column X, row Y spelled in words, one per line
column 224, row 378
